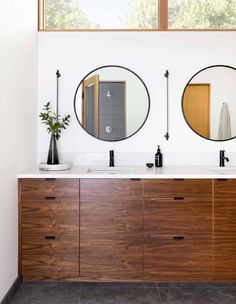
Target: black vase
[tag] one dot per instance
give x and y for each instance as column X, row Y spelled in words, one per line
column 52, row 152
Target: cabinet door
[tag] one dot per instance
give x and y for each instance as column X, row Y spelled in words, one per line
column 225, row 227
column 111, row 228
column 177, row 237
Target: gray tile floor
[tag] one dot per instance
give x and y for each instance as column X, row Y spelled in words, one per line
column 125, row 293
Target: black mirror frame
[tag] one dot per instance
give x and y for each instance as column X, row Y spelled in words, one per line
column 182, row 103
column 127, row 69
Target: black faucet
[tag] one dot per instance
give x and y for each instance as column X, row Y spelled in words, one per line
column 223, row 158
column 111, row 159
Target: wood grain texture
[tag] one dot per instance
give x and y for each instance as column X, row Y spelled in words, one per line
column 50, row 259
column 111, row 228
column 108, row 188
column 40, row 188
column 183, row 257
column 169, row 188
column 50, row 217
column 177, row 237
column 225, row 189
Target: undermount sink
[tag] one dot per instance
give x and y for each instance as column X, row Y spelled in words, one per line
column 111, row 170
column 223, row 169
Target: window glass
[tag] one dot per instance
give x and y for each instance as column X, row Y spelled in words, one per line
column 101, row 14
column 202, row 14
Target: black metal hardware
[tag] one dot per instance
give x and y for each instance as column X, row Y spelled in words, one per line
column 135, row 179
column 111, row 159
column 223, row 158
column 178, row 198
column 50, row 179
column 50, row 198
column 57, row 106
column 167, row 104
column 178, row 179
column 222, row 179
column 178, row 237
column 50, row 237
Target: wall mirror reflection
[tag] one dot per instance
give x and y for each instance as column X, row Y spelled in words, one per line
column 209, row 103
column 112, row 103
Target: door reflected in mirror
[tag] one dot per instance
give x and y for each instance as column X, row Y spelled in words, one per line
column 209, row 103
column 112, row 103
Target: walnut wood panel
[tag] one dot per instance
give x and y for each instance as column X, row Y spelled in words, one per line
column 109, row 188
column 50, row 259
column 49, row 217
column 40, row 188
column 225, row 208
column 225, row 246
column 169, row 188
column 225, row 188
column 186, row 217
column 177, row 236
column 111, row 229
column 169, row 256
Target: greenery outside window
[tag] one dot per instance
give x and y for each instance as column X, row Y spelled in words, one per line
column 136, row 15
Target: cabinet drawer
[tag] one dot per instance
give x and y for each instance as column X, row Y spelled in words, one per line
column 111, row 188
column 49, row 188
column 169, row 256
column 191, row 217
column 225, row 188
column 41, row 217
column 170, row 188
column 225, row 208
column 44, row 259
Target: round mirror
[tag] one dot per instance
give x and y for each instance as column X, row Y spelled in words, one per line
column 111, row 103
column 209, row 103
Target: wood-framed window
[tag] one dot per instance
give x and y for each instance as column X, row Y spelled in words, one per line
column 136, row 15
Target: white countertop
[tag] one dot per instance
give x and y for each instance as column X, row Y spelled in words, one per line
column 137, row 172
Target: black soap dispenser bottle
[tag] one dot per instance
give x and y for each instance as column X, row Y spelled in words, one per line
column 158, row 158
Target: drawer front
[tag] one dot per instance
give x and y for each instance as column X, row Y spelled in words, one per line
column 44, row 259
column 178, row 256
column 170, row 188
column 225, row 246
column 187, row 217
column 225, row 188
column 49, row 188
column 111, row 188
column 41, row 217
column 225, row 208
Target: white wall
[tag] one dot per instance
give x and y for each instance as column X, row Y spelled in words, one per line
column 149, row 55
column 18, row 128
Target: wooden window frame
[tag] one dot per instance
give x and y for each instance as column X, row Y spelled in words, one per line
column 163, row 23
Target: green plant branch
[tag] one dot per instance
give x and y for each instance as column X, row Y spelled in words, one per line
column 55, row 123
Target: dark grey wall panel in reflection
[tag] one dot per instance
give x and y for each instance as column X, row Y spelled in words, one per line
column 89, row 114
column 112, row 125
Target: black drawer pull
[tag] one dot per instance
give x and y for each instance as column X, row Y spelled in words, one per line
column 178, row 179
column 50, row 237
column 178, row 237
column 50, row 198
column 135, row 179
column 50, row 179
column 178, row 198
column 222, row 179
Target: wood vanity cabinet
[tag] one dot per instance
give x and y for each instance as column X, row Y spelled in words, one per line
column 225, row 227
column 127, row 229
column 49, row 229
column 111, row 228
column 177, row 228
